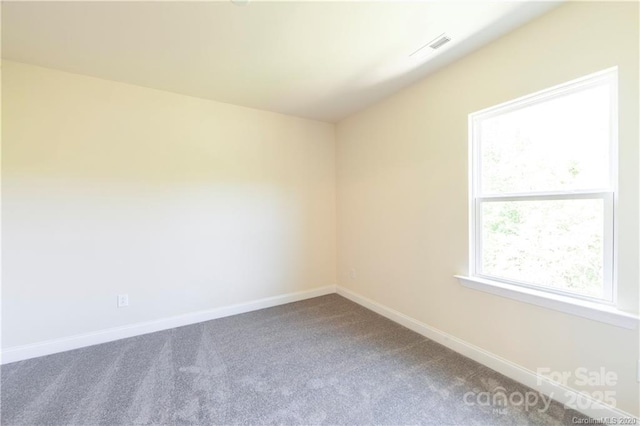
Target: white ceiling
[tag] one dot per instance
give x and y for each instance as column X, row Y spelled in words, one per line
column 321, row 60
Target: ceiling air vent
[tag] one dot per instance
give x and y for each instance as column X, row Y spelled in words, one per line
column 439, row 41
column 434, row 44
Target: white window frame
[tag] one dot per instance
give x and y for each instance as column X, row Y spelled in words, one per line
column 529, row 291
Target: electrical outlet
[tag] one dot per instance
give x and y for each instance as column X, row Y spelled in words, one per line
column 123, row 300
column 352, row 274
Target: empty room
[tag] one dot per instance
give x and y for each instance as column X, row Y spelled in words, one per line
column 247, row 212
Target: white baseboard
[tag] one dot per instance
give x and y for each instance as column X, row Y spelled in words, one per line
column 560, row 393
column 19, row 353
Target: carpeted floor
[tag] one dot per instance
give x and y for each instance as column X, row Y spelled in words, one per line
column 324, row 360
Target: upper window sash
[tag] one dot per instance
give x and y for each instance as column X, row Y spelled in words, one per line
column 606, row 78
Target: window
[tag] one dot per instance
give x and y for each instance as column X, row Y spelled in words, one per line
column 543, row 190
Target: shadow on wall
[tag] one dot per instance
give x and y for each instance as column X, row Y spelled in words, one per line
column 73, row 245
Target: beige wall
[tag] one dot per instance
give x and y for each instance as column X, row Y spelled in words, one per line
column 184, row 204
column 402, row 194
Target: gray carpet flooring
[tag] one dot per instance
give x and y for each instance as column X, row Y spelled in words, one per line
column 320, row 361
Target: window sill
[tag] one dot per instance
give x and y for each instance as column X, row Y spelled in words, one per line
column 585, row 309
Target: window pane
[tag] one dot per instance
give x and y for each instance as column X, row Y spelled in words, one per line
column 559, row 144
column 553, row 243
